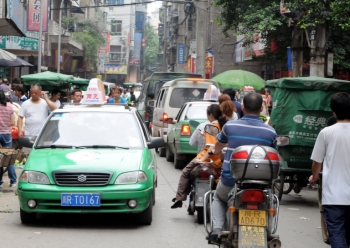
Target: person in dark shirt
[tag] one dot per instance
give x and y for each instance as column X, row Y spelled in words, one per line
column 232, row 94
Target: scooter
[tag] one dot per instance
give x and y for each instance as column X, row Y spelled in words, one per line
column 204, row 177
column 252, row 215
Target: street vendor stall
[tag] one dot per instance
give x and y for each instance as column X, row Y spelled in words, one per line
column 48, row 80
column 52, row 80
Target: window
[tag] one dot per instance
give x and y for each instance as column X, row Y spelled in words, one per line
column 115, row 2
column 116, row 27
column 115, row 54
column 92, row 128
column 180, row 96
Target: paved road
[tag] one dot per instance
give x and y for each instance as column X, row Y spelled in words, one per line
column 299, row 222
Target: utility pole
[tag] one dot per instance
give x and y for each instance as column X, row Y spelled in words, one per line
column 317, row 41
column 201, row 36
column 40, row 35
column 165, row 64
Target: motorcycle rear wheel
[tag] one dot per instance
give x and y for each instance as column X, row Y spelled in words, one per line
column 278, row 184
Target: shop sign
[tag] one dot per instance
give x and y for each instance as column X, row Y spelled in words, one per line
column 180, row 53
column 116, row 69
column 16, row 12
column 34, row 15
column 20, row 43
column 209, row 62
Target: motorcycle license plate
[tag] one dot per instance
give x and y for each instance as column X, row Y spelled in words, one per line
column 252, row 237
column 251, row 217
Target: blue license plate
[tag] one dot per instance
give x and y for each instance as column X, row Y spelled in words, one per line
column 80, row 200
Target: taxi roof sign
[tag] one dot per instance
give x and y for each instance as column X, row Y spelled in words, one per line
column 94, row 93
column 212, row 93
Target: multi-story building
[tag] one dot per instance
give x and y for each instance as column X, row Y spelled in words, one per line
column 183, row 40
column 125, row 25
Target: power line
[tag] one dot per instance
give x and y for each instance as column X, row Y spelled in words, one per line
column 119, row 5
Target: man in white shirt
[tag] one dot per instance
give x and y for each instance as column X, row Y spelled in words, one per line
column 55, row 97
column 35, row 110
column 332, row 148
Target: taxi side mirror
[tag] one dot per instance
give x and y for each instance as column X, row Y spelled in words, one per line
column 155, row 142
column 27, row 141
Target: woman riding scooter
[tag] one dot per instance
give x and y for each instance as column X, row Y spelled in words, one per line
column 216, row 118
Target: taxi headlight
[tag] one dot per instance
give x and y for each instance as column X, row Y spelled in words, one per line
column 131, row 177
column 34, row 177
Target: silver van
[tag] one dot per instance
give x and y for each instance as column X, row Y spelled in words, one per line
column 172, row 96
column 152, row 85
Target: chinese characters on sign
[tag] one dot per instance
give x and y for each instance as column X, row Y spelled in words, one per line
column 209, row 62
column 34, row 15
column 180, row 53
column 310, row 126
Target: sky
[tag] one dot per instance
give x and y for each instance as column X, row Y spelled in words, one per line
column 153, row 6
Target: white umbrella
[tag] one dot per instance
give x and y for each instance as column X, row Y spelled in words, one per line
column 5, row 55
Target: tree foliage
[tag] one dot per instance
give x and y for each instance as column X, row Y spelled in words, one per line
column 151, row 49
column 249, row 17
column 90, row 34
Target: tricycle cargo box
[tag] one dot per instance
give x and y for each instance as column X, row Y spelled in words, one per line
column 255, row 163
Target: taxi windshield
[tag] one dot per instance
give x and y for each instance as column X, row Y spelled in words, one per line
column 91, row 129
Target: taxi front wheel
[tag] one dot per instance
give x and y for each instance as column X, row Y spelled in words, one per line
column 27, row 218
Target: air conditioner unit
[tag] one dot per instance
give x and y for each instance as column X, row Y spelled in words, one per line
column 123, row 42
column 124, row 49
column 121, row 38
column 124, row 55
column 124, row 61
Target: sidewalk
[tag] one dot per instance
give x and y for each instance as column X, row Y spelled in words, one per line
column 8, row 197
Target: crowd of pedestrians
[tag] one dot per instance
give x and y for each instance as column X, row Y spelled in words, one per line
column 22, row 116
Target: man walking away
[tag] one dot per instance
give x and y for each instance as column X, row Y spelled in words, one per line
column 332, row 149
column 35, row 110
column 232, row 94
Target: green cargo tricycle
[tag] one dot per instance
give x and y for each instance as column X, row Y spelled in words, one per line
column 300, row 110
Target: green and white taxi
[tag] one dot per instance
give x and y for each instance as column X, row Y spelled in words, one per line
column 90, row 159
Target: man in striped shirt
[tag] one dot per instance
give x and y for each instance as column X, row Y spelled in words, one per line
column 249, row 130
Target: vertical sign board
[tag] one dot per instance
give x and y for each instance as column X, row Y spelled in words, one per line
column 180, row 53
column 16, row 12
column 34, row 15
column 137, row 47
column 209, row 62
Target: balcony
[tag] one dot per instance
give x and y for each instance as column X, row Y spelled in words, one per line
column 66, row 37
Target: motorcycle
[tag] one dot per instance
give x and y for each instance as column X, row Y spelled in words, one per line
column 253, row 209
column 204, row 177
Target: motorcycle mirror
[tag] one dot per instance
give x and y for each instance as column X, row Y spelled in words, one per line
column 193, row 123
column 212, row 130
column 282, row 140
column 151, row 103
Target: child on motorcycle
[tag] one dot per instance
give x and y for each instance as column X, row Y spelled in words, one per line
column 216, row 118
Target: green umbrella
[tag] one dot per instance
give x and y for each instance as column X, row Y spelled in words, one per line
column 47, row 78
column 237, row 79
column 81, row 83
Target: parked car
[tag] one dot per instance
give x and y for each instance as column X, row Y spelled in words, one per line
column 86, row 160
column 153, row 84
column 178, row 148
column 172, row 96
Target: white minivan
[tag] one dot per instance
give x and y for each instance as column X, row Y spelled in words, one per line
column 171, row 98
